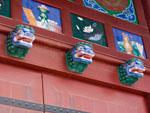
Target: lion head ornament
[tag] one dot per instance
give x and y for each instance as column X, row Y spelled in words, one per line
column 131, row 71
column 20, row 41
column 79, row 57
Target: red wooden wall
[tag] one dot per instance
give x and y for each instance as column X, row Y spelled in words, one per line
column 42, row 77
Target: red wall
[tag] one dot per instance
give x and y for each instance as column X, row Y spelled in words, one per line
column 42, row 77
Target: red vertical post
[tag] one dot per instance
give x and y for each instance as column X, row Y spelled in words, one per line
column 146, row 6
column 140, row 13
column 16, row 9
column 148, row 102
column 109, row 36
column 66, row 22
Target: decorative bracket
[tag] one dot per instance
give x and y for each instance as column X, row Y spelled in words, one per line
column 79, row 57
column 20, row 41
column 131, row 71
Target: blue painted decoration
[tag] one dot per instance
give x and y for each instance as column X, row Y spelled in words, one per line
column 122, row 9
column 129, row 43
column 41, row 15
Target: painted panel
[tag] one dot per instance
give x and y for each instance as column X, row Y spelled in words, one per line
column 41, row 15
column 123, row 9
column 89, row 30
column 5, row 8
column 129, row 43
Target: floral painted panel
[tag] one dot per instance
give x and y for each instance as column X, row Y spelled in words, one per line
column 41, row 15
column 129, row 43
column 123, row 9
column 5, row 8
column 89, row 30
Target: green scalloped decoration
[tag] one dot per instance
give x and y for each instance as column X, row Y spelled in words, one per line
column 131, row 71
column 78, row 67
column 123, row 78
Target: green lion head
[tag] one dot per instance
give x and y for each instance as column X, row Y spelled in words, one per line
column 20, row 41
column 79, row 57
column 131, row 71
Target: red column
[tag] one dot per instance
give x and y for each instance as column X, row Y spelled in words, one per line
column 146, row 6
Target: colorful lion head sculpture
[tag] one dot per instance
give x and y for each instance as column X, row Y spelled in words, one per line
column 79, row 57
column 20, row 41
column 131, row 71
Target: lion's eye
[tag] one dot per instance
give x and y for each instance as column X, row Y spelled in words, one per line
column 81, row 48
column 138, row 62
column 21, row 33
column 26, row 30
column 133, row 63
column 90, row 51
column 29, row 34
column 87, row 49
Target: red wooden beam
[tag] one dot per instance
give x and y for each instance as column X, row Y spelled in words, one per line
column 148, row 101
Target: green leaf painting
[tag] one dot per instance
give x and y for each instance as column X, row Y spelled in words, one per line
column 5, row 8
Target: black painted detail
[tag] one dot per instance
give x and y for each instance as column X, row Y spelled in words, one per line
column 36, row 107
